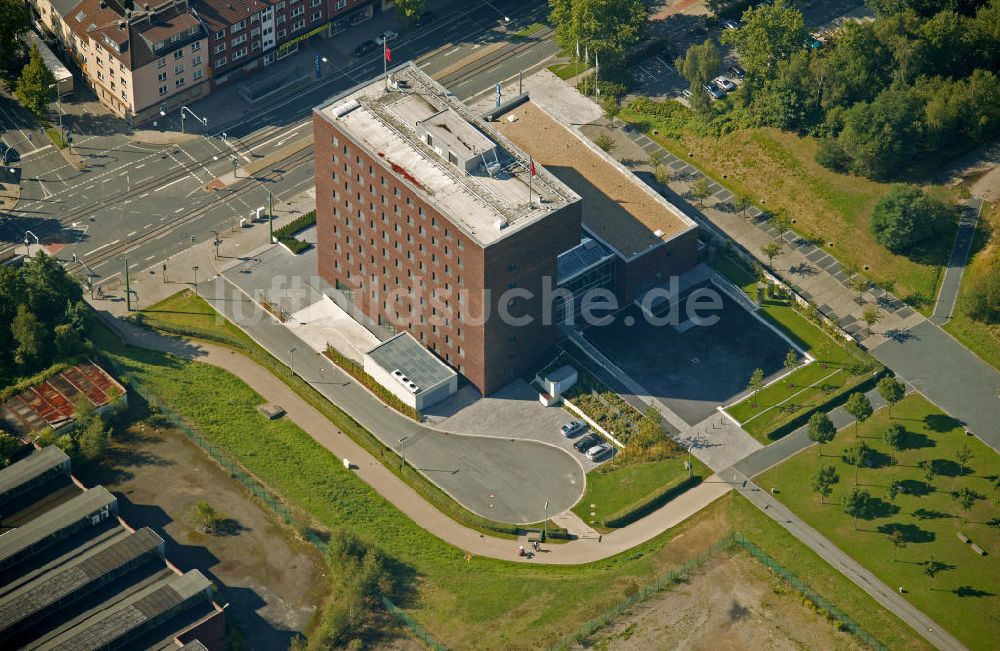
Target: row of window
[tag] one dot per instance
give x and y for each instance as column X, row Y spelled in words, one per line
column 180, row 81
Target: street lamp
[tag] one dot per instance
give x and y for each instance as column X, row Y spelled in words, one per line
column 27, row 242
column 402, row 456
column 545, row 523
column 291, row 350
column 204, row 121
column 216, row 242
column 62, row 132
column 235, row 162
column 195, row 270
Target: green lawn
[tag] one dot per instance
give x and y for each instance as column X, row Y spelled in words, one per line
column 778, row 170
column 981, row 338
column 568, row 70
column 481, row 603
column 965, row 596
column 187, row 310
column 529, row 30
column 767, row 416
column 611, row 489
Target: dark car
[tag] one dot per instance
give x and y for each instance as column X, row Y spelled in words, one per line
column 365, row 48
column 427, row 18
column 9, row 154
column 587, row 442
column 737, row 71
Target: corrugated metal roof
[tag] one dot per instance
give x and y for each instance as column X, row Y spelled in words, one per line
column 41, row 462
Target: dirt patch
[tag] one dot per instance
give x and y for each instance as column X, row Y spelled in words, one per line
column 272, row 581
column 732, row 602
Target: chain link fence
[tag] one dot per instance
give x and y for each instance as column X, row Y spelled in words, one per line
column 251, row 485
column 844, row 622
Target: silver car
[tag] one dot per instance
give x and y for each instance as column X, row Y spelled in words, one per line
column 598, row 451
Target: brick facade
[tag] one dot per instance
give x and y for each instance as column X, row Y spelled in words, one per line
column 408, row 265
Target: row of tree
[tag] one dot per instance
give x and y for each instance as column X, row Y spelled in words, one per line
column 42, row 317
column 914, row 81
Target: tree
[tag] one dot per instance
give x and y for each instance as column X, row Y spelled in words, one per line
column 700, row 190
column 770, row 33
column 791, row 359
column 891, row 390
column 656, row 158
column 605, row 142
column 821, row 429
column 860, row 285
column 29, row 335
column 966, row 498
column 743, row 203
column 33, row 86
column 996, row 489
column 893, row 491
column 860, row 407
column 606, row 27
column 206, row 517
column 663, row 175
column 905, row 217
column 8, row 446
column 14, row 21
column 411, row 10
column 932, row 568
column 898, row 541
column 857, row 455
column 927, row 466
column 857, row 504
column 93, row 440
column 893, row 436
column 881, row 137
column 756, row 383
column 871, row 316
column 770, row 250
column 964, row 455
column 823, row 481
column 698, row 65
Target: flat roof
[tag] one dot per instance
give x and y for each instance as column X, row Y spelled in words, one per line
column 51, row 588
column 581, row 257
column 618, row 208
column 385, row 123
column 26, row 470
column 405, row 353
column 134, row 613
column 66, row 514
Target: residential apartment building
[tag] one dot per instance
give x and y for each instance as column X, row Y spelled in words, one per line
column 480, row 238
column 138, row 62
column 246, row 35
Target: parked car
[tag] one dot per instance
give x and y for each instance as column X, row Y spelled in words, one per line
column 737, row 71
column 714, row 91
column 725, row 84
column 386, row 37
column 686, row 93
column 427, row 18
column 365, row 48
column 587, row 442
column 812, row 43
column 599, row 451
column 572, row 428
column 730, row 24
column 9, row 154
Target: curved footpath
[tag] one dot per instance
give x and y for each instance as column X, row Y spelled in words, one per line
column 396, row 491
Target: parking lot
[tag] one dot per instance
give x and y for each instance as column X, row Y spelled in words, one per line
column 692, row 368
column 512, row 412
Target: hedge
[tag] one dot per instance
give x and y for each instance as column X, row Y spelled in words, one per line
column 286, row 234
column 357, row 372
column 641, row 508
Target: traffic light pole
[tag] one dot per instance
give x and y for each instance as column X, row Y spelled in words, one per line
column 270, row 218
column 128, row 289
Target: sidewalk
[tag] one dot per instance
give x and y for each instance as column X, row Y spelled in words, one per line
column 952, row 281
column 850, row 568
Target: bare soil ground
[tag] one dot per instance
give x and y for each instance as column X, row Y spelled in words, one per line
column 732, row 602
column 272, row 581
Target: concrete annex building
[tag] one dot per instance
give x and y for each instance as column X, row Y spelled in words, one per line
column 432, row 219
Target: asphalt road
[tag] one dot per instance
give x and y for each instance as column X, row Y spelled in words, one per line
column 951, row 284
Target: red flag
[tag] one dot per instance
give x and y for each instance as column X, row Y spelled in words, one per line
column 532, row 161
column 388, row 52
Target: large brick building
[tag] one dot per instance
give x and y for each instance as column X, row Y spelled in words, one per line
column 435, row 222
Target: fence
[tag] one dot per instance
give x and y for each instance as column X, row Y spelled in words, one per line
column 845, row 623
column 252, row 486
column 678, row 575
column 669, row 579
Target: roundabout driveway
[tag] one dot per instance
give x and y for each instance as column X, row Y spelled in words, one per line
column 498, row 478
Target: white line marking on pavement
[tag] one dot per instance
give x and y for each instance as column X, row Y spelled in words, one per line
column 149, row 258
column 35, row 151
column 162, row 187
column 139, row 167
column 451, row 51
column 132, row 233
column 178, row 210
column 102, row 247
column 141, row 196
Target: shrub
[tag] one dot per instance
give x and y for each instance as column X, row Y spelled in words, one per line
column 604, row 141
column 356, row 371
column 832, row 156
column 286, row 234
column 906, row 217
column 984, row 300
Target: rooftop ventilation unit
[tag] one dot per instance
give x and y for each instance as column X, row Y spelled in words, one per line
column 345, row 108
